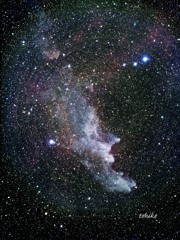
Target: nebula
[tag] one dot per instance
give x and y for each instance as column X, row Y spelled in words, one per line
column 83, row 102
column 87, row 137
column 99, row 144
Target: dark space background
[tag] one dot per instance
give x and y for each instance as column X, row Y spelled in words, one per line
column 27, row 215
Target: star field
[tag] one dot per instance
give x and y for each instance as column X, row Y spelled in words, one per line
column 91, row 120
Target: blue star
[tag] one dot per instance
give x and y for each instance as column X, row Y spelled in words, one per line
column 51, row 142
column 145, row 58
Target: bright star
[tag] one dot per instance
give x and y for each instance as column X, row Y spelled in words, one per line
column 51, row 142
column 145, row 58
column 23, row 42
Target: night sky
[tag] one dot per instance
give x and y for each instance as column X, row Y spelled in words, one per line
column 90, row 120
